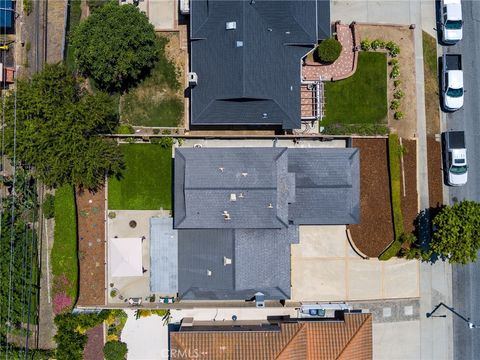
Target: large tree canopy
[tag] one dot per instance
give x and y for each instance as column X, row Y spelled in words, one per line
column 457, row 232
column 115, row 46
column 57, row 124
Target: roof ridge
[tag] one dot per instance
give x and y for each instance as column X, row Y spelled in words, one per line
column 302, row 326
column 368, row 317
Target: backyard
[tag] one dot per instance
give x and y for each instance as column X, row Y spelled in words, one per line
column 157, row 100
column 146, row 183
column 360, row 100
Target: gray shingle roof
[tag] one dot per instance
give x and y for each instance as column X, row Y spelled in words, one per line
column 257, row 83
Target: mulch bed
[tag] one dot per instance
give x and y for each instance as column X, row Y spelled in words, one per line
column 410, row 197
column 91, row 247
column 375, row 230
column 435, row 174
column 94, row 348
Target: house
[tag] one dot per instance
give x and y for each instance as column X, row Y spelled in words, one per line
column 237, row 211
column 245, row 60
column 346, row 338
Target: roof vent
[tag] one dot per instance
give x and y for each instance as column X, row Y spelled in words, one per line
column 231, row 25
column 244, row 174
column 287, row 32
column 264, row 115
column 270, row 206
column 227, row 261
column 226, row 215
column 241, row 196
column 209, row 272
column 233, row 197
column 269, row 29
column 197, row 146
column 192, row 78
column 221, row 169
column 239, row 43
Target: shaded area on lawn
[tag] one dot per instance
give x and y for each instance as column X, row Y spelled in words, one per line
column 362, row 98
column 375, row 230
column 64, row 251
column 146, row 183
column 91, row 247
column 155, row 101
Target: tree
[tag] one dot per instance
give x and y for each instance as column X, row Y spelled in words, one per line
column 456, row 233
column 57, row 127
column 116, row 46
column 329, row 50
column 115, row 350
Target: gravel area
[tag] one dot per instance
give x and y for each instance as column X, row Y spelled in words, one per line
column 375, row 230
column 409, row 190
column 91, row 247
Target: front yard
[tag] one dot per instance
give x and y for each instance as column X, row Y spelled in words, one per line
column 146, row 183
column 362, row 98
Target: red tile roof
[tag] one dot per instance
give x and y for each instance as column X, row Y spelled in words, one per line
column 323, row 340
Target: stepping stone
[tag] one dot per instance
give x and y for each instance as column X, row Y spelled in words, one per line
column 408, row 310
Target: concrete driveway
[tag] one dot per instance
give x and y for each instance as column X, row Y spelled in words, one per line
column 325, row 268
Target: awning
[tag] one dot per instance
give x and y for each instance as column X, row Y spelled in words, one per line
column 125, row 256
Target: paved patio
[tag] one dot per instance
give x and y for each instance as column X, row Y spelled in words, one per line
column 325, row 268
column 343, row 67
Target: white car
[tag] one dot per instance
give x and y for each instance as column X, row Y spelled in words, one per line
column 455, row 158
column 452, row 82
column 451, row 21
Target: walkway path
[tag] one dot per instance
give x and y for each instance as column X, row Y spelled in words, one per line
column 343, row 67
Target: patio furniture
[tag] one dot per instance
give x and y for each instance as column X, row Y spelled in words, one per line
column 135, row 301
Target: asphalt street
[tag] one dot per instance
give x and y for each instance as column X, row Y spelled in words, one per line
column 466, row 279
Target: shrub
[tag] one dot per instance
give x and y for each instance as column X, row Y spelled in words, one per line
column 395, row 73
column 398, row 94
column 365, row 45
column 131, row 140
column 377, row 44
column 27, row 6
column 329, row 50
column 393, row 62
column 397, row 83
column 395, row 104
column 156, row 131
column 112, row 215
column 398, row 115
column 164, row 142
column 393, row 48
column 115, row 350
column 48, row 206
column 125, row 129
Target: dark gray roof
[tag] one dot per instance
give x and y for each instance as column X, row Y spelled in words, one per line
column 260, row 262
column 207, row 178
column 250, row 75
column 304, row 186
column 163, row 256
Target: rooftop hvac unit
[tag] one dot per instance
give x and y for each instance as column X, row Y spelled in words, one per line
column 227, row 261
column 192, row 78
column 259, row 300
column 231, row 25
column 233, row 197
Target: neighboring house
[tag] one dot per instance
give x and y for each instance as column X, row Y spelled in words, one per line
column 245, row 59
column 346, row 338
column 237, row 211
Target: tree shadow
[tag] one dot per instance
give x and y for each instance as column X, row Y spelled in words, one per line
column 424, row 229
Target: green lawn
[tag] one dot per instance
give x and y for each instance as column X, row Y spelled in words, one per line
column 64, row 251
column 146, row 183
column 155, row 101
column 362, row 98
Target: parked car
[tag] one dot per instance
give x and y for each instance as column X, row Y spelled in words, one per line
column 452, row 82
column 451, row 21
column 455, row 158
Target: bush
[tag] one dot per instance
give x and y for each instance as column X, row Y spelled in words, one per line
column 398, row 94
column 393, row 48
column 398, row 115
column 355, row 129
column 164, row 142
column 393, row 62
column 397, row 83
column 27, row 6
column 395, row 73
column 366, row 45
column 115, row 350
column 48, row 206
column 329, row 50
column 125, row 129
column 395, row 104
column 378, row 44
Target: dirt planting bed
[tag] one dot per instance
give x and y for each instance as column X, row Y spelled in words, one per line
column 91, row 247
column 375, row 230
column 409, row 188
column 94, row 348
column 435, row 175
